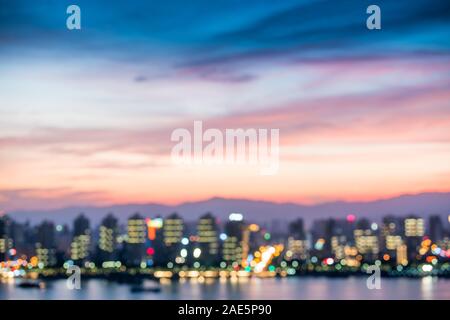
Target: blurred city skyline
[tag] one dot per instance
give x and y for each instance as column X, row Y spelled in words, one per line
column 86, row 115
column 166, row 247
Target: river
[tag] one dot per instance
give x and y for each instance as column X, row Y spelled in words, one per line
column 273, row 288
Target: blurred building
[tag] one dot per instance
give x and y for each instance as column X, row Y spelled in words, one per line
column 136, row 237
column 391, row 233
column 414, row 227
column 208, row 240
column 46, row 244
column 172, row 232
column 296, row 249
column 23, row 237
column 391, row 238
column 366, row 240
column 338, row 245
column 436, row 229
column 297, row 229
column 321, row 238
column 107, row 239
column 414, row 231
column 81, row 242
column 232, row 245
column 63, row 239
column 6, row 242
column 297, row 245
column 402, row 255
column 155, row 247
column 330, row 236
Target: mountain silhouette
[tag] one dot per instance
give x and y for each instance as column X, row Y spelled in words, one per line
column 422, row 204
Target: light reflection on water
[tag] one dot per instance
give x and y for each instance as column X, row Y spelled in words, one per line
column 286, row 288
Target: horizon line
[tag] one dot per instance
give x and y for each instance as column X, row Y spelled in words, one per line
column 182, row 203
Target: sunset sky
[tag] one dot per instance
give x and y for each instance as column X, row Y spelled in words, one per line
column 86, row 116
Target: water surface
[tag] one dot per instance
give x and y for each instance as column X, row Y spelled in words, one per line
column 285, row 288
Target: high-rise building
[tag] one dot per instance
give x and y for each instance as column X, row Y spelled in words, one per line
column 5, row 240
column 402, row 255
column 81, row 242
column 338, row 244
column 436, row 228
column 414, row 231
column 392, row 225
column 107, row 240
column 296, row 249
column 208, row 240
column 172, row 232
column 366, row 240
column 155, row 249
column 297, row 229
column 45, row 244
column 136, row 234
column 232, row 246
column 64, row 239
column 329, row 236
column 22, row 236
column 414, row 227
column 392, row 242
column 391, row 237
column 297, row 245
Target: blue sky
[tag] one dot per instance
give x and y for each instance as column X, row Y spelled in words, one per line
column 86, row 115
column 211, row 31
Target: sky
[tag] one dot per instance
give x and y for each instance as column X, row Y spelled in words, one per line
column 86, row 115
